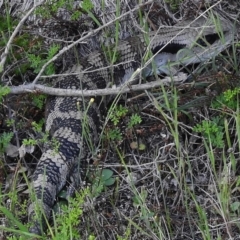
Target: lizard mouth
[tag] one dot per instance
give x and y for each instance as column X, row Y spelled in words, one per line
column 173, row 48
column 180, row 54
column 208, row 39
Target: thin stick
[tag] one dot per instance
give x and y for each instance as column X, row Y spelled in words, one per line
column 98, row 92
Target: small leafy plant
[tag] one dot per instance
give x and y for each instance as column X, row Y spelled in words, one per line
column 29, row 142
column 228, row 99
column 212, row 130
column 22, row 44
column 117, row 114
column 38, row 128
column 39, row 100
column 134, row 120
column 54, row 143
column 3, row 92
column 101, row 179
column 114, row 134
column 51, row 7
column 66, row 223
column 37, row 61
column 5, row 139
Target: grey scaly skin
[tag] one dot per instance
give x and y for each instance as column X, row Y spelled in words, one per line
column 66, row 117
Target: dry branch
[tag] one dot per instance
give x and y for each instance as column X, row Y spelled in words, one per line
column 98, row 92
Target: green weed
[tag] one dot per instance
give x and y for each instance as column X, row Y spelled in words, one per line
column 5, row 139
column 4, row 90
column 37, row 61
column 134, row 120
column 50, row 8
column 37, row 127
column 114, row 134
column 23, row 43
column 117, row 114
column 227, row 99
column 100, row 180
column 29, row 142
column 212, row 130
column 66, row 223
